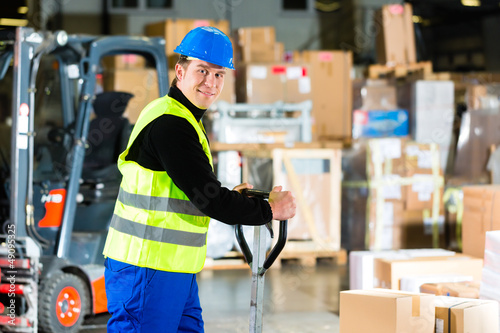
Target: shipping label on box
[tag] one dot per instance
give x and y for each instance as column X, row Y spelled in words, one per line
column 463, row 315
column 379, row 311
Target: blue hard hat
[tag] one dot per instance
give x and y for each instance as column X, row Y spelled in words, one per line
column 208, row 44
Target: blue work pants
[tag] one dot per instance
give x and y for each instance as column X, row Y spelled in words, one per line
column 148, row 300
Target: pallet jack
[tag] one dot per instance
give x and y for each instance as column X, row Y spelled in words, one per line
column 261, row 263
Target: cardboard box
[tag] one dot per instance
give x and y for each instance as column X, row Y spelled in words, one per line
column 124, row 61
column 260, row 53
column 414, row 283
column 388, row 273
column 269, row 83
column 385, row 157
column 395, row 43
column 361, row 263
column 174, row 30
column 142, row 83
column 378, row 311
column 378, row 96
column 256, row 36
column 331, row 92
column 422, row 164
column 481, row 214
column 462, row 315
column 258, row 44
column 467, row 289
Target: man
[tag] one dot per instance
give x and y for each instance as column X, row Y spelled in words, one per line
column 157, row 240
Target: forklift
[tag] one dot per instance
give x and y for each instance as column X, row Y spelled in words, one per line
column 58, row 174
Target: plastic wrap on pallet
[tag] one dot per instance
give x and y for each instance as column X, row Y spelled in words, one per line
column 478, row 131
column 220, row 239
column 353, row 210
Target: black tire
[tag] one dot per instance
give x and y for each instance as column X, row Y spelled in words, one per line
column 63, row 302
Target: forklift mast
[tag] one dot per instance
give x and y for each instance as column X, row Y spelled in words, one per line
column 25, row 47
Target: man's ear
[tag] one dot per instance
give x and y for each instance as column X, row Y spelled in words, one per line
column 179, row 72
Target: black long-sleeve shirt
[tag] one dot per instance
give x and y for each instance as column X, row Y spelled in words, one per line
column 170, row 143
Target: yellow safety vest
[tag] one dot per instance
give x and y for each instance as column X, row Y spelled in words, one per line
column 154, row 224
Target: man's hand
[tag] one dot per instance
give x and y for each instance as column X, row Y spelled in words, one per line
column 282, row 204
column 243, row 186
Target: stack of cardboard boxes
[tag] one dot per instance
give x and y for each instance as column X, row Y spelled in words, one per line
column 404, row 186
column 394, row 312
column 262, row 75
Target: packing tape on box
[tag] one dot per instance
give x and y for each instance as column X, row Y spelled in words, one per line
column 378, row 182
column 453, row 202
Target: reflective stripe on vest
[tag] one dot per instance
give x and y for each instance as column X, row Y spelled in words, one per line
column 154, row 224
column 158, row 203
column 158, row 234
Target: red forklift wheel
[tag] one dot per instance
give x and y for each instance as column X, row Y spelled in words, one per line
column 68, row 306
column 63, row 302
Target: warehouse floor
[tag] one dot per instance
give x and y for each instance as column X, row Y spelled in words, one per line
column 297, row 299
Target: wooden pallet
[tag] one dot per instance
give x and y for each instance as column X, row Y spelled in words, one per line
column 232, row 260
column 308, row 253
column 398, row 71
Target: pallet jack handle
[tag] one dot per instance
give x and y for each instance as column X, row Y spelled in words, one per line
column 278, row 247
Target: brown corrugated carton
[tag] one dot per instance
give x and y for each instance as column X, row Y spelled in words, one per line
column 124, row 61
column 389, row 272
column 258, row 44
column 386, row 157
column 269, row 83
column 481, row 214
column 378, row 97
column 423, row 167
column 142, row 83
column 463, row 315
column 174, row 30
column 260, row 53
column 468, row 289
column 331, row 92
column 378, row 311
column 256, row 36
column 395, row 43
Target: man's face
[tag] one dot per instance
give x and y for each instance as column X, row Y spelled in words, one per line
column 201, row 82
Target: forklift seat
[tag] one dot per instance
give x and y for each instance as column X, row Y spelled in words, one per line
column 108, row 135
